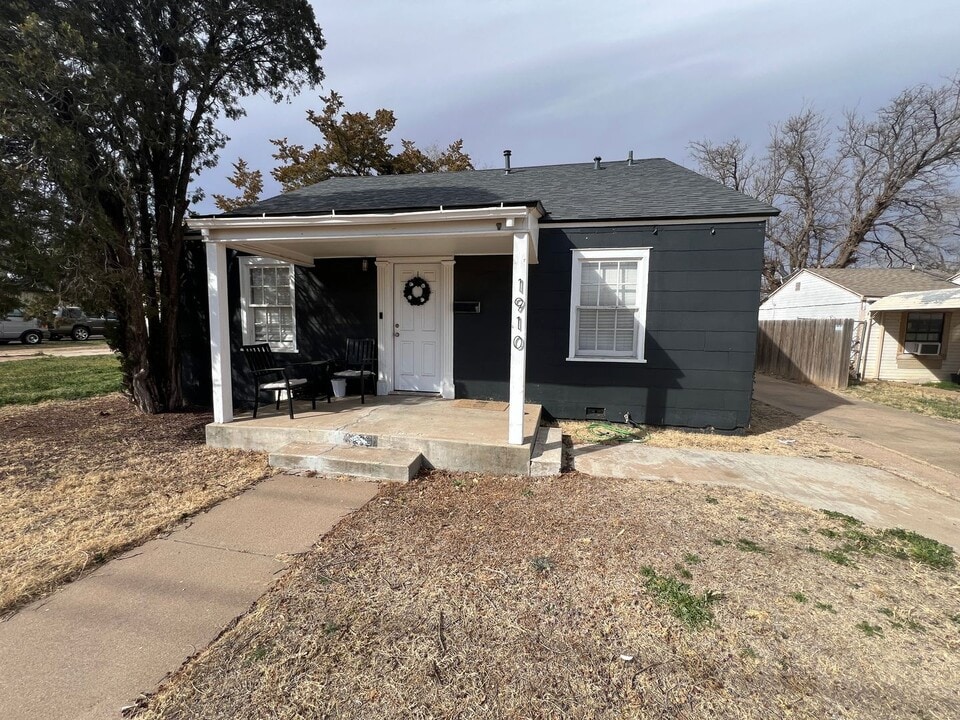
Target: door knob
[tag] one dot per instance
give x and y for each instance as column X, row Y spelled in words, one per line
column 396, row 334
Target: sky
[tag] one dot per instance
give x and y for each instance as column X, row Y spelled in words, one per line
column 560, row 82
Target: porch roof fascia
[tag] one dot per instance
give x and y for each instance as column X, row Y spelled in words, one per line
column 292, row 237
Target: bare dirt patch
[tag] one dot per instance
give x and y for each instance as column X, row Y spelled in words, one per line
column 571, row 596
column 81, row 481
column 920, row 399
column 772, row 432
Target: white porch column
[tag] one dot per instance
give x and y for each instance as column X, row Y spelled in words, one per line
column 446, row 328
column 384, row 327
column 219, row 332
column 518, row 338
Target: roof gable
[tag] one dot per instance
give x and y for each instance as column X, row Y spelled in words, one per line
column 651, row 189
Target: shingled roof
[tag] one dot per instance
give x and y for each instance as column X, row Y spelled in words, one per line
column 652, row 189
column 880, row 282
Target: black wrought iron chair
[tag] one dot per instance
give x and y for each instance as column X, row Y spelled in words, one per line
column 361, row 355
column 270, row 376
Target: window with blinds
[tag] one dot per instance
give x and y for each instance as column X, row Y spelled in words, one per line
column 608, row 304
column 268, row 303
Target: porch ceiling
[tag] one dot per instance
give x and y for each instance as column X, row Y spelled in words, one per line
column 476, row 231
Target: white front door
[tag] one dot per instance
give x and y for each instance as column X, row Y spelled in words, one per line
column 417, row 342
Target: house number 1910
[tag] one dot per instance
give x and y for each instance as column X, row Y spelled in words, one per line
column 519, row 303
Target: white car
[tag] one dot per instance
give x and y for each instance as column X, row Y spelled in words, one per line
column 18, row 325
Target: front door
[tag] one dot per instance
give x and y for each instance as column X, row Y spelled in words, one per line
column 416, row 314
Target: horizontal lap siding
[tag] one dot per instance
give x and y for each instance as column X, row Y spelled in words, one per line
column 816, row 298
column 481, row 356
column 886, row 334
column 703, row 294
column 701, row 328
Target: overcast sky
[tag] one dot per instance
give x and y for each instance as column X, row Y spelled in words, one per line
column 560, row 81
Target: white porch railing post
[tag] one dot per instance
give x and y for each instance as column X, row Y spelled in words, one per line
column 518, row 338
column 219, row 332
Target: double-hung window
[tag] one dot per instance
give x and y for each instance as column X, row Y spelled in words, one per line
column 923, row 333
column 608, row 304
column 268, row 303
column 924, row 327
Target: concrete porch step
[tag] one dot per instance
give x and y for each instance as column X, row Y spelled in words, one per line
column 547, row 456
column 374, row 463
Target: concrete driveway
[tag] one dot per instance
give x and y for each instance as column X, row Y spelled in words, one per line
column 918, row 489
column 924, row 439
column 877, row 497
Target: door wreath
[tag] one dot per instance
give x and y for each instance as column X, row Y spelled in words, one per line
column 416, row 291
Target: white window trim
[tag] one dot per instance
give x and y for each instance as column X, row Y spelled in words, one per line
column 246, row 311
column 640, row 315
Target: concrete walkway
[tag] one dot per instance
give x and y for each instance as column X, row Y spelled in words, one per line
column 874, row 496
column 925, row 439
column 16, row 351
column 93, row 646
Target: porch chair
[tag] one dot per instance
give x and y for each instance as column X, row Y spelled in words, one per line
column 271, row 376
column 360, row 357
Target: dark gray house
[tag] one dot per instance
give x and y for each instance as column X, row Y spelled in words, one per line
column 593, row 289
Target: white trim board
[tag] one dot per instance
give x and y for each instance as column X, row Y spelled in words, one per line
column 246, row 310
column 651, row 223
column 386, row 292
column 578, row 256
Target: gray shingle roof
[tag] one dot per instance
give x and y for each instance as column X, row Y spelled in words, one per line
column 649, row 189
column 880, row 282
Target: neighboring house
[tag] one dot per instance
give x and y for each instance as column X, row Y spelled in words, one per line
column 593, row 289
column 914, row 337
column 843, row 292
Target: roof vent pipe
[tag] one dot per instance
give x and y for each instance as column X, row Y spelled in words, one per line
column 506, row 162
column 630, row 158
column 596, row 163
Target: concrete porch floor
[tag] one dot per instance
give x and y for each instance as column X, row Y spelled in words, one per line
column 450, row 434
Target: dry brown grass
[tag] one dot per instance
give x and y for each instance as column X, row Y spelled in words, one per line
column 82, row 481
column 772, row 432
column 476, row 597
column 930, row 401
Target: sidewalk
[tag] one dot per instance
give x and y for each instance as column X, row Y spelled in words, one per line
column 94, row 645
column 925, row 441
column 15, row 351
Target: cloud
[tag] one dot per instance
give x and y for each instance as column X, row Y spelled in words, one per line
column 564, row 81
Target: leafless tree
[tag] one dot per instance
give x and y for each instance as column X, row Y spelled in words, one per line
column 880, row 190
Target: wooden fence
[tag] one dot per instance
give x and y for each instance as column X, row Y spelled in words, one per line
column 810, row 351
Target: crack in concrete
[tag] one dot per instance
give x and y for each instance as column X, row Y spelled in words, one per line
column 220, row 547
column 360, row 419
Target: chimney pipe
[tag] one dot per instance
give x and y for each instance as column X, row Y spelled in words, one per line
column 596, row 163
column 506, row 162
column 630, row 158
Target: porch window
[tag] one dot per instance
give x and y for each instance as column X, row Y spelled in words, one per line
column 608, row 304
column 268, row 303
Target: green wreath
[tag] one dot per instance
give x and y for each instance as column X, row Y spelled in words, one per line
column 416, row 291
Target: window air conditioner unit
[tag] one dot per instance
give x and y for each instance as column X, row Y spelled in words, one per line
column 922, row 348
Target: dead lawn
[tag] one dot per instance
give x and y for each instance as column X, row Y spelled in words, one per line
column 81, row 481
column 930, row 401
column 481, row 597
column 772, row 432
